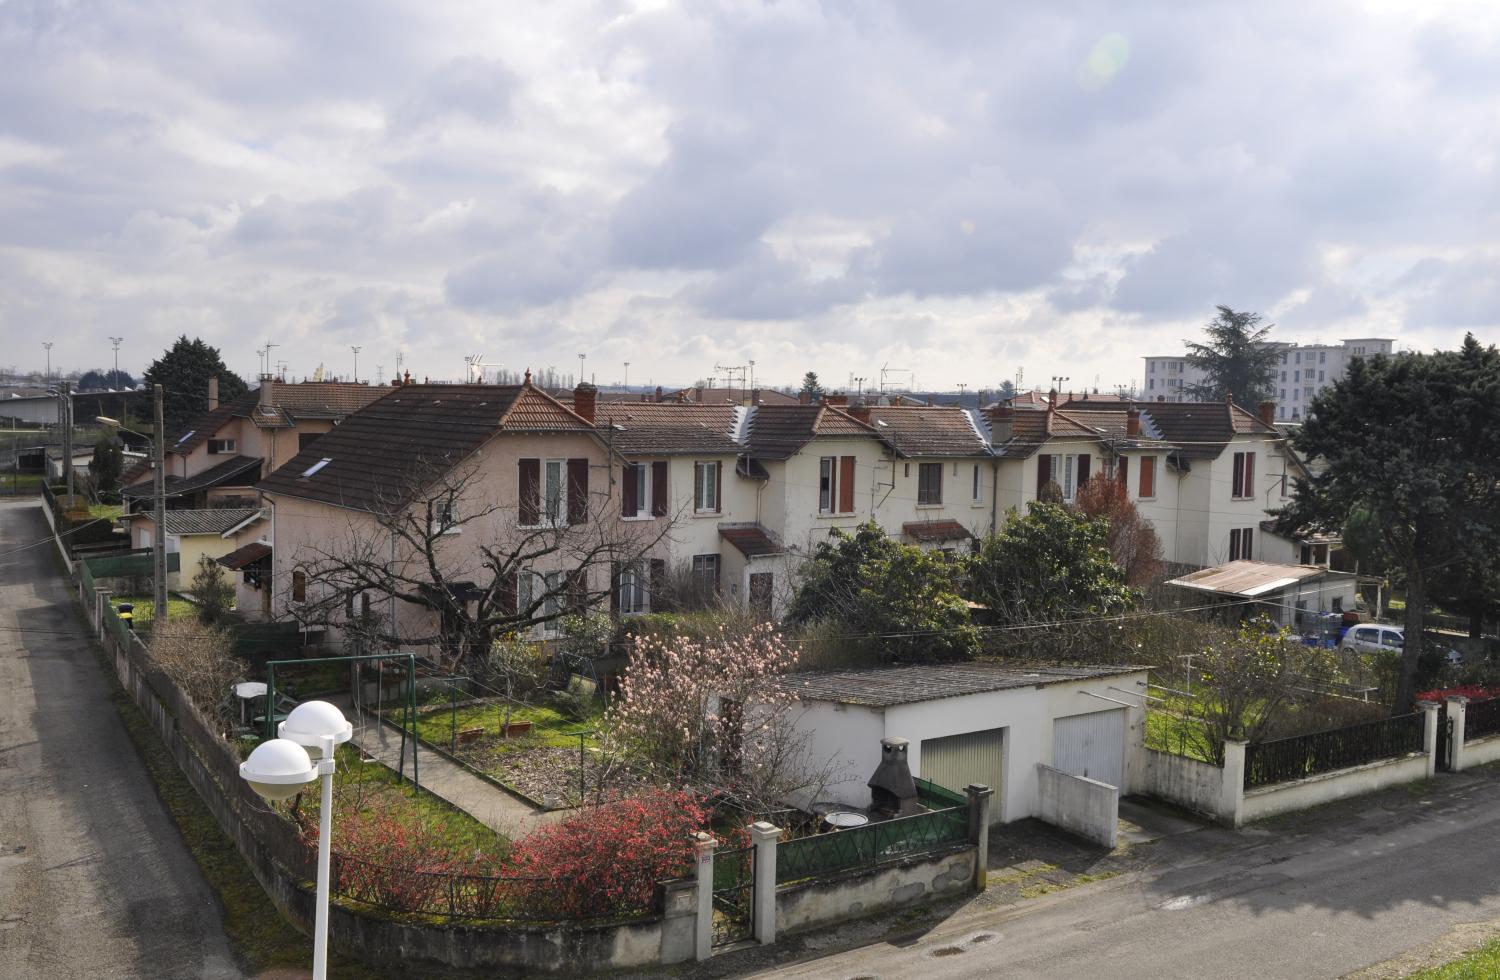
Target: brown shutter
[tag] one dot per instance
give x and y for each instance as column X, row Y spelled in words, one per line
column 1247, row 537
column 719, row 486
column 1234, row 543
column 1249, row 476
column 846, row 484
column 1122, row 471
column 629, row 505
column 658, row 584
column 1043, row 472
column 578, row 491
column 614, row 588
column 659, row 488
column 1239, row 474
column 1148, row 476
column 531, row 492
column 1083, row 469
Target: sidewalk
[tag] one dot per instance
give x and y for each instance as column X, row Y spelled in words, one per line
column 490, row 805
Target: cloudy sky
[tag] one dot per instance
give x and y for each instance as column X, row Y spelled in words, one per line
column 962, row 189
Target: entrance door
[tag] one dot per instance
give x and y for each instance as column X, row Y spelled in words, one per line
column 1091, row 745
column 955, row 761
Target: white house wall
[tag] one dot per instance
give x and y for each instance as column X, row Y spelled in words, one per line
column 899, row 506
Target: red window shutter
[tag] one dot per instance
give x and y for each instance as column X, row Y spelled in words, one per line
column 1083, row 469
column 578, row 491
column 1122, row 471
column 1043, row 472
column 531, row 492
column 629, row 505
column 659, row 488
column 846, row 484
column 1148, row 476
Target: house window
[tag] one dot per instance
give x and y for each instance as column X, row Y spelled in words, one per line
column 552, row 596
column 1151, row 366
column 706, row 571
column 1240, row 540
column 635, row 484
column 1284, row 481
column 1147, row 489
column 1069, row 471
column 706, row 487
column 929, row 483
column 1299, row 357
column 299, row 586
column 631, row 593
column 1322, row 356
column 1153, row 384
column 1283, row 357
column 220, row 447
column 1122, row 470
column 974, row 491
column 1337, row 604
column 1296, row 375
column 556, row 508
column 836, row 485
column 445, row 514
column 1283, row 391
column 1244, row 476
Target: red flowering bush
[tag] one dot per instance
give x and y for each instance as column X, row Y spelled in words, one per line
column 1473, row 692
column 608, row 859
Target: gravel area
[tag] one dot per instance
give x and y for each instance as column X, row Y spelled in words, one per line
column 549, row 774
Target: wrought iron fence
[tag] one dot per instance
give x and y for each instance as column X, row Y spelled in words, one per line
column 863, row 847
column 1283, row 759
column 734, row 895
column 1481, row 718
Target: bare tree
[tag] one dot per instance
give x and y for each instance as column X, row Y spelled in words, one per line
column 468, row 561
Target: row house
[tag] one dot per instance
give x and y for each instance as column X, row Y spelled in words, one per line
column 213, row 463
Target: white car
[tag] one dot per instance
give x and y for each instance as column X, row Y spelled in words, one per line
column 1373, row 637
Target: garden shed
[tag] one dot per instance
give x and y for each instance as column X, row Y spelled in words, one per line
column 996, row 724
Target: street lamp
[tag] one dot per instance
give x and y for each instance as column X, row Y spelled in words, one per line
column 48, row 380
column 356, row 361
column 159, row 496
column 279, row 768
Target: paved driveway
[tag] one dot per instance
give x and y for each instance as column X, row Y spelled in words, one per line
column 95, row 880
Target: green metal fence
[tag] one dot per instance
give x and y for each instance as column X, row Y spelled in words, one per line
column 937, row 797
column 874, row 843
column 135, row 564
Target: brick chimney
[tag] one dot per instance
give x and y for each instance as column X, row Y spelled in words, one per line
column 1003, row 423
column 584, row 399
column 1132, row 423
column 213, row 393
column 1229, row 398
column 861, row 412
column 1268, row 414
column 267, row 390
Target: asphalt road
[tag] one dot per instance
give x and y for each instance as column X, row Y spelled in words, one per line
column 1319, row 894
column 95, row 880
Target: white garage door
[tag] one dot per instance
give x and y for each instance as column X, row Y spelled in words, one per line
column 955, row 761
column 1091, row 745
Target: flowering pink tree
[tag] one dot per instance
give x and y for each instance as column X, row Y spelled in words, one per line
column 716, row 715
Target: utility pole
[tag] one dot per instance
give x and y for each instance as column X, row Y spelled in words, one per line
column 65, row 392
column 580, row 368
column 961, row 387
column 159, row 485
column 627, row 375
column 356, row 361
column 47, row 379
column 114, row 381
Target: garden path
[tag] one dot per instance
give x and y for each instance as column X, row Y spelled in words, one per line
column 492, row 806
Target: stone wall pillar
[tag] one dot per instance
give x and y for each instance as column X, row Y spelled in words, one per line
column 979, row 830
column 679, row 907
column 1458, row 712
column 1430, row 734
column 101, row 601
column 763, row 902
column 703, row 933
column 1232, row 790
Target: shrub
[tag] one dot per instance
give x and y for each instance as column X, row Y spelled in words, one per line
column 608, row 859
column 200, row 660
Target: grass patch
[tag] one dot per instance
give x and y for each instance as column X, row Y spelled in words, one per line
column 145, row 609
column 105, row 511
column 29, row 482
column 549, row 725
column 1481, row 964
column 257, row 930
column 1177, row 735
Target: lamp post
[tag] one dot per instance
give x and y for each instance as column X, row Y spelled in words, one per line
column 159, row 499
column 48, row 379
column 279, row 768
column 356, row 361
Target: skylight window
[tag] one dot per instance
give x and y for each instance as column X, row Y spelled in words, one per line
column 186, row 436
column 316, row 466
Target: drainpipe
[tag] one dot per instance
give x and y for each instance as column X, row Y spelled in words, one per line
column 994, row 494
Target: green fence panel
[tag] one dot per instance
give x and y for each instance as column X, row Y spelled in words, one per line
column 839, row 851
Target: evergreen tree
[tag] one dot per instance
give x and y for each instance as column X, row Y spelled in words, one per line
column 107, row 465
column 812, row 389
column 1410, row 454
column 183, row 371
column 1236, row 361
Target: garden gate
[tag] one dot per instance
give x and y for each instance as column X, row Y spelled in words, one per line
column 734, row 895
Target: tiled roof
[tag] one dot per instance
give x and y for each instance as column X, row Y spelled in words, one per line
column 247, row 555
column 1249, row 579
column 751, row 540
column 326, row 399
column 215, row 520
column 885, row 687
column 927, row 430
column 1197, row 430
column 177, row 486
column 928, row 531
column 730, row 396
column 1031, row 431
column 649, row 429
column 778, row 431
column 380, row 456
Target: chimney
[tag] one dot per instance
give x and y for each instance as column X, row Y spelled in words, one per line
column 267, row 390
column 803, row 397
column 1003, row 423
column 1229, row 398
column 213, row 393
column 861, row 412
column 1051, row 399
column 584, row 398
column 837, row 400
column 1268, row 414
column 1132, row 423
column 658, row 393
column 893, row 793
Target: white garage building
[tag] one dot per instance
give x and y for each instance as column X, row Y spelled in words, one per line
column 986, row 723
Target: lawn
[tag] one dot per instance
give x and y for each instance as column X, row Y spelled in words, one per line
column 21, row 482
column 145, row 609
column 108, row 512
column 1481, row 964
column 549, row 725
column 1180, row 736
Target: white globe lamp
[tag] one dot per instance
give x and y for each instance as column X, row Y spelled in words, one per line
column 313, row 721
column 278, row 769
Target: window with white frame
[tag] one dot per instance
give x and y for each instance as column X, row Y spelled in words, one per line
column 554, row 491
column 974, row 491
column 631, row 593
column 220, row 447
column 445, row 514
column 828, row 476
column 706, row 572
column 706, row 487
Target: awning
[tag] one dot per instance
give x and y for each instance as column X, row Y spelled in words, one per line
column 751, row 540
column 248, row 555
column 927, row 531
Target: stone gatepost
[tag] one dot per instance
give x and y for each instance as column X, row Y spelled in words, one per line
column 704, row 846
column 1458, row 711
column 1232, row 789
column 1430, row 734
column 678, row 901
column 979, row 830
column 765, row 837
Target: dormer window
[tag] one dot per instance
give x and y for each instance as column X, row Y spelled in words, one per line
column 221, row 447
column 316, row 466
